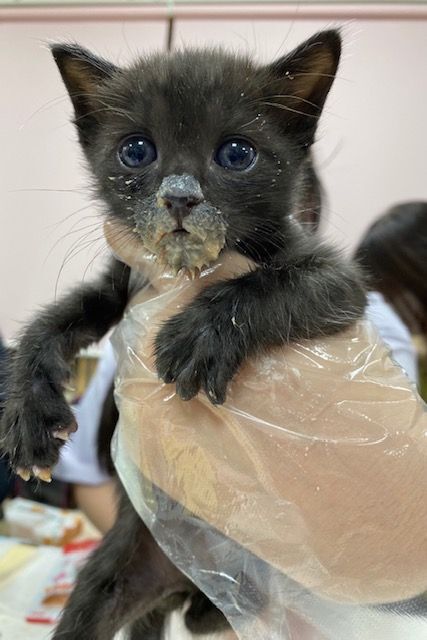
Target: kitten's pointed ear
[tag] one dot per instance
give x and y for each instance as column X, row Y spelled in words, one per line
column 83, row 74
column 302, row 80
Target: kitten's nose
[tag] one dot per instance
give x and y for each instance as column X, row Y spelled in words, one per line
column 179, row 204
column 179, row 194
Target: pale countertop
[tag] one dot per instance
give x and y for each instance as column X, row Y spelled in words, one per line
column 19, row 591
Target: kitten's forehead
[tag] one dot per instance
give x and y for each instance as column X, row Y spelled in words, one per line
column 209, row 85
column 200, row 70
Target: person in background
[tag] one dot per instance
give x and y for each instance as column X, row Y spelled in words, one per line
column 393, row 253
column 85, row 462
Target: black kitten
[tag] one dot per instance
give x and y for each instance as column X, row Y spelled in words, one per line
column 196, row 153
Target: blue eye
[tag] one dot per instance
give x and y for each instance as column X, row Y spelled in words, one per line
column 136, row 151
column 236, row 155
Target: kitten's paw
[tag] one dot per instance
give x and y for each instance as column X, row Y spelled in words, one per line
column 197, row 355
column 33, row 429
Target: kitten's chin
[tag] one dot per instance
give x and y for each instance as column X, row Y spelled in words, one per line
column 187, row 252
column 176, row 252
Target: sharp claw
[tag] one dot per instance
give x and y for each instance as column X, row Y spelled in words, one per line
column 61, row 434
column 216, row 397
column 25, row 474
column 72, row 428
column 212, row 394
column 42, row 473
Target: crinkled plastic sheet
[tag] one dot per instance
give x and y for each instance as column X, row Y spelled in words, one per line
column 298, row 507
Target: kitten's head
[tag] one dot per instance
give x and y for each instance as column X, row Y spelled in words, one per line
column 200, row 150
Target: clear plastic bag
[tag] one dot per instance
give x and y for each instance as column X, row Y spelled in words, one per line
column 299, row 507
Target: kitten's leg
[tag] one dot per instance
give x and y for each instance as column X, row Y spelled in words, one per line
column 304, row 295
column 204, row 617
column 127, row 580
column 148, row 628
column 37, row 420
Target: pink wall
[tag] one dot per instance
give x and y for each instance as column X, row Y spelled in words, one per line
column 371, row 147
column 372, row 140
column 43, row 190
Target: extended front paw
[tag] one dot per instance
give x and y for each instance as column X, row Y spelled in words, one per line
column 198, row 355
column 34, row 427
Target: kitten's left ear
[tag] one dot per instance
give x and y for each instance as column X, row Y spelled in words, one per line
column 83, row 74
column 300, row 82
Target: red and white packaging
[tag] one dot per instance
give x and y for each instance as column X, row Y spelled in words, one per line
column 56, row 591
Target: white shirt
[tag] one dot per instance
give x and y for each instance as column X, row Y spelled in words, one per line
column 79, row 457
column 394, row 333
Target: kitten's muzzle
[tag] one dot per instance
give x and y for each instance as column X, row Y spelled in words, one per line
column 179, row 194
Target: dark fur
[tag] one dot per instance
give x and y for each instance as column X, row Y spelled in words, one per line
column 188, row 103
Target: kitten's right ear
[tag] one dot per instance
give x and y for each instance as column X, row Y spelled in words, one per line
column 83, row 74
